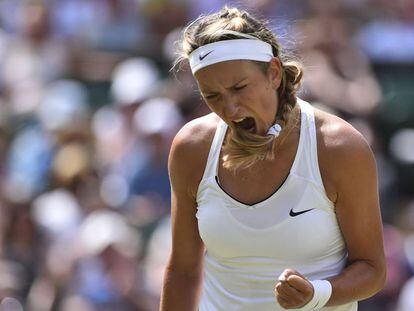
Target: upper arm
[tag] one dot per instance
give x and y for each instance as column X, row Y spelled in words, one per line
column 353, row 175
column 186, row 165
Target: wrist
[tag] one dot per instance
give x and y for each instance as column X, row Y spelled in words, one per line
column 322, row 291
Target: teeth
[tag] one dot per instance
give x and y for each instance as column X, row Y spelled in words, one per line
column 240, row 120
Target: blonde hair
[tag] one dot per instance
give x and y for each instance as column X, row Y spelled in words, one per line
column 243, row 148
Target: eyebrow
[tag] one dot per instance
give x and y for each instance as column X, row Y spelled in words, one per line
column 212, row 92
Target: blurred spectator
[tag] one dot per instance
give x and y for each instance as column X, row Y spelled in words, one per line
column 32, row 58
column 108, row 25
column 156, row 120
column 27, row 164
column 337, row 73
column 107, row 275
column 159, row 247
column 381, row 38
column 22, row 252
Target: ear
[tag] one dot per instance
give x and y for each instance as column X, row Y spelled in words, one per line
column 275, row 72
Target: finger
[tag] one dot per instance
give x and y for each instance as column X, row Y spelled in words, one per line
column 294, row 297
column 287, row 291
column 282, row 302
column 286, row 273
column 300, row 284
column 282, row 277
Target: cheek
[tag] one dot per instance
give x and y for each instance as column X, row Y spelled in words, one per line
column 266, row 96
column 214, row 107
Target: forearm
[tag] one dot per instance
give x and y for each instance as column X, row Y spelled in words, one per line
column 358, row 281
column 180, row 291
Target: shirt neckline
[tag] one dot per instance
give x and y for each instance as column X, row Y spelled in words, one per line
column 281, row 187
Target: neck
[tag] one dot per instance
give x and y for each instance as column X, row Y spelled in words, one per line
column 293, row 122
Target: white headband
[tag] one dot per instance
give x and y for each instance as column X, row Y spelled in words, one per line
column 235, row 49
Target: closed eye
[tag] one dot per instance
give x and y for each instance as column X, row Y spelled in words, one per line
column 239, row 87
column 212, row 96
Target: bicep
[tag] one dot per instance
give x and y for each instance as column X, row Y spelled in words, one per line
column 357, row 206
column 187, row 246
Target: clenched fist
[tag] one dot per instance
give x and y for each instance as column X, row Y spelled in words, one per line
column 293, row 290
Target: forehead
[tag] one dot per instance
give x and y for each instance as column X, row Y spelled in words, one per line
column 227, row 73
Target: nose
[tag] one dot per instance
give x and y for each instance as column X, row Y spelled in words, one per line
column 231, row 107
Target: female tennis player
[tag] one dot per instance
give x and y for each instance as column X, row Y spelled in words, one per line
column 274, row 203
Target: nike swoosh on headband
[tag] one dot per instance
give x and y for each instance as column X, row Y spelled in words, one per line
column 294, row 214
column 201, row 57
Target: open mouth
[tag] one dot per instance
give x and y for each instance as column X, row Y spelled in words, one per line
column 246, row 123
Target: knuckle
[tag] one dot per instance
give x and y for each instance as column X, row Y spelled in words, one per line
column 282, row 303
column 304, row 300
column 297, row 300
column 284, row 285
column 291, row 272
column 282, row 296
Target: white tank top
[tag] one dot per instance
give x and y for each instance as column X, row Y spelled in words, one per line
column 248, row 246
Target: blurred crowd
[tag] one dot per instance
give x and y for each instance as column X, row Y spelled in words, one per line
column 88, row 110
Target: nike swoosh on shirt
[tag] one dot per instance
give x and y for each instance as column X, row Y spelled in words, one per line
column 294, row 214
column 201, row 57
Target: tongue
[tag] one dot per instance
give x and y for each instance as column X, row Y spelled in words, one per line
column 248, row 124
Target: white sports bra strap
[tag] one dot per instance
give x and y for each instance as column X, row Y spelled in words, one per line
column 215, row 148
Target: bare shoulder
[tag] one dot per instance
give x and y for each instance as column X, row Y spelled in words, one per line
column 189, row 151
column 343, row 152
column 338, row 136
